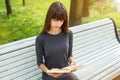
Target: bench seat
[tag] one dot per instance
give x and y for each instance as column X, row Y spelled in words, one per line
column 95, row 45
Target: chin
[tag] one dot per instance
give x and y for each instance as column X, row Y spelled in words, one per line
column 57, row 27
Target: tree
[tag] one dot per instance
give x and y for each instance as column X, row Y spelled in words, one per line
column 8, row 7
column 78, row 9
column 23, row 2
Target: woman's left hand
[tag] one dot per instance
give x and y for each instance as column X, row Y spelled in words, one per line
column 73, row 64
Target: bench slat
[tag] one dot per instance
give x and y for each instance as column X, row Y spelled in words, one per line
column 18, row 63
column 24, row 77
column 98, row 63
column 16, row 53
column 93, row 55
column 17, row 42
column 17, row 47
column 92, row 59
column 92, row 69
column 93, row 39
column 37, row 77
column 17, row 69
column 102, row 69
column 91, row 25
column 112, row 74
column 17, row 58
column 88, row 49
column 94, row 30
column 23, row 74
column 106, row 74
column 92, row 42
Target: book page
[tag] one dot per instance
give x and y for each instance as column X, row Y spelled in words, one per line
column 65, row 69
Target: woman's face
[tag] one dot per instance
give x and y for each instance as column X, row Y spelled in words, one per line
column 56, row 24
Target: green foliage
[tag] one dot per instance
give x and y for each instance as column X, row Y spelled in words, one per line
column 25, row 21
column 29, row 20
column 100, row 9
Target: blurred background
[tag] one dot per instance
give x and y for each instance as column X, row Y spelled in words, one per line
column 21, row 19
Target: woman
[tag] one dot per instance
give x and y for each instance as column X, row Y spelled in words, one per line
column 54, row 44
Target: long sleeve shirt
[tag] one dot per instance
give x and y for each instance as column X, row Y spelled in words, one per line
column 54, row 50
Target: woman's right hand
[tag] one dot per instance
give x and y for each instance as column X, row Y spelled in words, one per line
column 55, row 75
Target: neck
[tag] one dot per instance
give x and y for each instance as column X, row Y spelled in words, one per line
column 53, row 31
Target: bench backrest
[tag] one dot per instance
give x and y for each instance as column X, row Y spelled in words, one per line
column 94, row 37
column 97, row 46
column 18, row 59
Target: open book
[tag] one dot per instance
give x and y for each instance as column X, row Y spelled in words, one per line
column 65, row 69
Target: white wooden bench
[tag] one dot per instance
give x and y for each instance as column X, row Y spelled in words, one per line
column 95, row 44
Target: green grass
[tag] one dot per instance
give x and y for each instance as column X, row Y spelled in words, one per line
column 25, row 21
column 29, row 20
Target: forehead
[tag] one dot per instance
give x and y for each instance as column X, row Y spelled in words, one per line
column 60, row 15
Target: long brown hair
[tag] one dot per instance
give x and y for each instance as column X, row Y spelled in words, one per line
column 56, row 11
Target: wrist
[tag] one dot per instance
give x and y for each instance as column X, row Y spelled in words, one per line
column 70, row 60
column 46, row 71
column 72, row 63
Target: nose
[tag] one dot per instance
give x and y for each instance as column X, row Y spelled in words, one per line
column 58, row 22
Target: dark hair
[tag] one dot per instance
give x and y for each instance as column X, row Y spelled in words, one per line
column 56, row 11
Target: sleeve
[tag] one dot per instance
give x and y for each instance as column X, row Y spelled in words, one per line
column 39, row 51
column 70, row 44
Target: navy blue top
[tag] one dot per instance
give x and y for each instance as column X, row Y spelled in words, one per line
column 54, row 50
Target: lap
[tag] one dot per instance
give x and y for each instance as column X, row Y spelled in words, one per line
column 69, row 76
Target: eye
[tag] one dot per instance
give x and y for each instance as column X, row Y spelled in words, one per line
column 54, row 19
